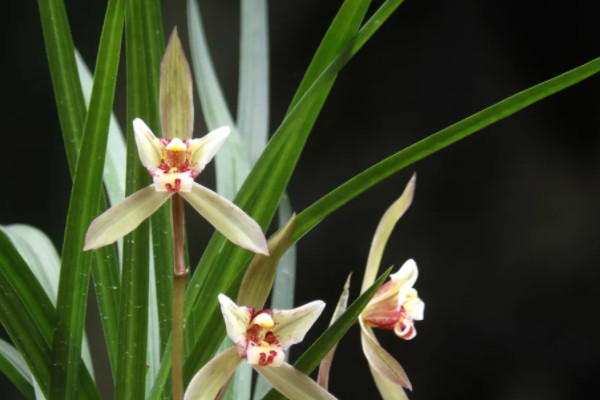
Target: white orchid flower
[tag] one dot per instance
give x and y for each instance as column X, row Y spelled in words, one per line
column 395, row 306
column 173, row 165
column 261, row 337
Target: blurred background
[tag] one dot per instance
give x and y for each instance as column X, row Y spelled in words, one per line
column 504, row 226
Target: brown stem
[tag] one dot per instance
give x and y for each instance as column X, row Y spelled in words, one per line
column 179, row 281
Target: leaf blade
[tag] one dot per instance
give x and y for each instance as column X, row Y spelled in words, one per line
column 253, row 97
column 75, row 266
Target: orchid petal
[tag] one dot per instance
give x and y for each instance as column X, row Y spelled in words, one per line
column 207, row 382
column 384, row 230
column 227, row 218
column 237, row 320
column 380, row 360
column 149, row 147
column 293, row 384
column 203, row 150
column 291, row 325
column 176, row 96
column 388, row 389
column 124, row 217
column 399, row 284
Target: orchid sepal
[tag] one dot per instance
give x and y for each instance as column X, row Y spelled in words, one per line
column 123, row 217
column 227, row 218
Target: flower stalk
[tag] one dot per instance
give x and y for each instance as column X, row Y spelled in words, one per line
column 180, row 272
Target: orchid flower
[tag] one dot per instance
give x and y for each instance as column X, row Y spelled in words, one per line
column 174, row 162
column 395, row 306
column 261, row 337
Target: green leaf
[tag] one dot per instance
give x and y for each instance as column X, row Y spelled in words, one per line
column 232, row 160
column 28, row 316
column 253, row 97
column 72, row 112
column 319, row 349
column 341, row 31
column 142, row 52
column 14, row 368
column 39, row 253
column 114, row 165
column 42, row 258
column 63, row 70
column 314, row 214
column 160, row 221
column 87, row 185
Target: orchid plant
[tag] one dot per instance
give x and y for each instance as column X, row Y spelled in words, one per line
column 173, row 329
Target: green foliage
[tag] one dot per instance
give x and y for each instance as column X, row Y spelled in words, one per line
column 42, row 306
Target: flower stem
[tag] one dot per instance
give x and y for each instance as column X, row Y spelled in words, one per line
column 179, row 281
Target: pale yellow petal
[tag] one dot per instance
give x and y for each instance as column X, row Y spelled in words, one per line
column 291, row 325
column 388, row 389
column 203, row 150
column 207, row 382
column 384, row 230
column 124, row 217
column 149, row 147
column 293, row 384
column 380, row 360
column 227, row 218
column 237, row 321
column 399, row 284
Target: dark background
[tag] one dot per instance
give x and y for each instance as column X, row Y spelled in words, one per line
column 504, row 226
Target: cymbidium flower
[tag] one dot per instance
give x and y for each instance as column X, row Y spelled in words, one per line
column 261, row 337
column 395, row 306
column 174, row 162
column 173, row 165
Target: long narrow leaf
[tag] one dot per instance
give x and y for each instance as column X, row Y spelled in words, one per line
column 72, row 113
column 232, row 160
column 28, row 315
column 133, row 318
column 341, row 31
column 75, row 267
column 311, row 358
column 65, row 79
column 14, row 368
column 310, row 217
column 114, row 165
column 42, row 258
column 253, row 97
column 154, row 46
